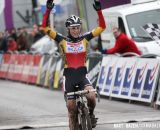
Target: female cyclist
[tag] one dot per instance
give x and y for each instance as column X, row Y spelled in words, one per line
column 74, row 51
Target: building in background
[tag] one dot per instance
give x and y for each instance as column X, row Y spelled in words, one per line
column 16, row 13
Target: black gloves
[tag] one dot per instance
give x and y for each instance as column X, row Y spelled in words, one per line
column 97, row 5
column 50, row 4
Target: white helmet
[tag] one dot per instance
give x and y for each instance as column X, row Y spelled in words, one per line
column 73, row 21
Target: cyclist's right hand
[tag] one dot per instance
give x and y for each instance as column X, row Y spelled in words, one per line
column 50, row 4
column 97, row 5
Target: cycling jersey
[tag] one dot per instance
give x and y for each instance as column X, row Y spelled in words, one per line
column 74, row 50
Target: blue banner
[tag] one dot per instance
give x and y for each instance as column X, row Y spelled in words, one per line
column 149, row 82
column 101, row 78
column 117, row 82
column 127, row 82
column 109, row 79
column 138, row 81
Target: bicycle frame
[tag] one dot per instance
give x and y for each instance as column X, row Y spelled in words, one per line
column 84, row 121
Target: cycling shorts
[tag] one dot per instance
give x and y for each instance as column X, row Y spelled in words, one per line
column 75, row 77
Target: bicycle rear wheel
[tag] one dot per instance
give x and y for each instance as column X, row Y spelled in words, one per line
column 85, row 121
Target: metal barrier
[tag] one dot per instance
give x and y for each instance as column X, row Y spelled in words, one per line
column 129, row 78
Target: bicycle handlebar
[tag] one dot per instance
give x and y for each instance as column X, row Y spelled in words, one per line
column 82, row 92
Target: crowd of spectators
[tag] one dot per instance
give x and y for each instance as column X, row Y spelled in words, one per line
column 19, row 39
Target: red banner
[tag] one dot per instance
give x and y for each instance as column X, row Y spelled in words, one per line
column 20, row 59
column 11, row 70
column 34, row 69
column 26, row 68
column 5, row 65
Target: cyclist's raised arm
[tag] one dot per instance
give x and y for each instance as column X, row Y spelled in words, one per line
column 98, row 30
column 47, row 30
column 101, row 26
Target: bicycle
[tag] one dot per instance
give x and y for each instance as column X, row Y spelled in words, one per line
column 84, row 120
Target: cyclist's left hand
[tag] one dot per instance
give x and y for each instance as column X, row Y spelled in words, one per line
column 50, row 4
column 97, row 5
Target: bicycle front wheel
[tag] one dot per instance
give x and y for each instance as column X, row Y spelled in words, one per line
column 85, row 120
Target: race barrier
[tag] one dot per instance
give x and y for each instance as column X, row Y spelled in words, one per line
column 44, row 63
column 58, row 75
column 129, row 78
column 50, row 71
column 1, row 57
column 93, row 67
column 121, row 77
column 5, row 65
column 158, row 94
column 158, row 99
column 20, row 67
column 12, row 64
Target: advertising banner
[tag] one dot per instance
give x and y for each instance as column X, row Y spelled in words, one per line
column 119, row 76
column 94, row 65
column 139, row 79
column 58, row 75
column 158, row 96
column 33, row 72
column 26, row 67
column 43, row 69
column 5, row 65
column 102, row 73
column 50, row 75
column 18, row 68
column 145, row 80
column 111, row 74
column 128, row 77
column 151, row 80
column 11, row 69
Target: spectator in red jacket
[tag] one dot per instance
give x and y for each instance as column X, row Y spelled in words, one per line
column 123, row 44
column 12, row 45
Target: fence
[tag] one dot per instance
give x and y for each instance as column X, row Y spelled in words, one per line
column 121, row 77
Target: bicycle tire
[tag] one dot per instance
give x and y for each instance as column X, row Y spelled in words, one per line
column 85, row 120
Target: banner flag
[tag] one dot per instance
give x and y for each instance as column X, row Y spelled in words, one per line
column 112, row 3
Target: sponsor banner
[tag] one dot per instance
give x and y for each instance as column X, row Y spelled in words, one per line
column 102, row 73
column 27, row 64
column 151, row 80
column 33, row 72
column 5, row 65
column 43, row 69
column 158, row 95
column 128, row 77
column 145, row 80
column 110, row 77
column 50, row 75
column 94, row 64
column 139, row 79
column 119, row 76
column 105, row 79
column 18, row 68
column 11, row 69
column 58, row 75
column 158, row 92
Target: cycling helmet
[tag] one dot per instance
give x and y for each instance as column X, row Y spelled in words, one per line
column 73, row 21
